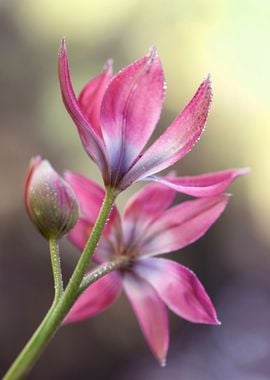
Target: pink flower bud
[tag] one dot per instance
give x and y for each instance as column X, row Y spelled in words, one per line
column 50, row 201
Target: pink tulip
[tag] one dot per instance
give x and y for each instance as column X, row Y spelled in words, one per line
column 149, row 227
column 116, row 116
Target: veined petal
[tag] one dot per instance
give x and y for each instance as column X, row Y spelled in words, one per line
column 130, row 110
column 92, row 94
column 204, row 185
column 179, row 288
column 150, row 312
column 182, row 225
column 145, row 206
column 96, row 298
column 91, row 140
column 176, row 141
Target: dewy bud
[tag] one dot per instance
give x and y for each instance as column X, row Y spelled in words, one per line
column 50, row 201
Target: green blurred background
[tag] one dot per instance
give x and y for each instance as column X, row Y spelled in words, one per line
column 226, row 38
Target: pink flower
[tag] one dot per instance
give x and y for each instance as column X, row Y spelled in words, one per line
column 149, row 227
column 116, row 116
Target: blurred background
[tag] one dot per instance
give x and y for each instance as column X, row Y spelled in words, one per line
column 230, row 40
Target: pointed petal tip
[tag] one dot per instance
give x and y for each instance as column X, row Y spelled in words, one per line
column 243, row 171
column 163, row 362
column 208, row 78
column 208, row 83
column 206, row 87
column 63, row 46
column 108, row 65
column 214, row 321
column 152, row 52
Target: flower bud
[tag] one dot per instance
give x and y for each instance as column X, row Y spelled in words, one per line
column 50, row 201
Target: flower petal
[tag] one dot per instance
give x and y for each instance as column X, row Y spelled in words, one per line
column 179, row 288
column 89, row 193
column 96, row 298
column 204, row 185
column 130, row 110
column 90, row 197
column 90, row 139
column 176, row 141
column 105, row 249
column 92, row 94
column 80, row 233
column 145, row 206
column 150, row 312
column 182, row 225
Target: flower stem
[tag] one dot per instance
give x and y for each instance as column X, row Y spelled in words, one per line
column 102, row 270
column 59, row 309
column 56, row 268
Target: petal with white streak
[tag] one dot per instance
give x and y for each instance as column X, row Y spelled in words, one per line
column 150, row 312
column 179, row 288
column 182, row 225
column 203, row 185
column 176, row 141
column 130, row 110
column 144, row 207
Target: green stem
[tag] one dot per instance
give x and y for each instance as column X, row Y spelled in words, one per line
column 58, row 311
column 56, row 269
column 102, row 270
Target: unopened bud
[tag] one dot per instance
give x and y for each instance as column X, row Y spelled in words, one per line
column 50, row 201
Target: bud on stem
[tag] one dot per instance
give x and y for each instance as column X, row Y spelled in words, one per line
column 49, row 199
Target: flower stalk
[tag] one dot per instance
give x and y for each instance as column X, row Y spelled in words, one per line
column 56, row 269
column 119, row 263
column 63, row 301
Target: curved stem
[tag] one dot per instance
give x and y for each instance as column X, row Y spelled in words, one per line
column 56, row 314
column 102, row 270
column 56, row 268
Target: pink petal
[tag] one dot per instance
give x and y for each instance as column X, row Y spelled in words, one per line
column 130, row 110
column 92, row 94
column 145, row 206
column 177, row 140
column 90, row 196
column 150, row 312
column 90, row 139
column 80, row 233
column 106, row 246
column 204, row 185
column 182, row 225
column 179, row 288
column 96, row 298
